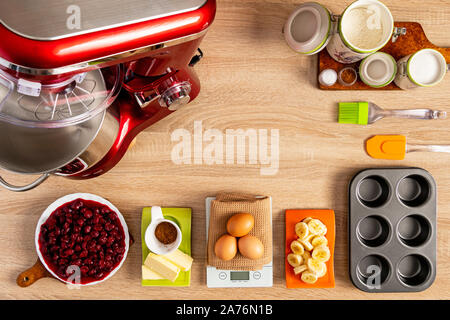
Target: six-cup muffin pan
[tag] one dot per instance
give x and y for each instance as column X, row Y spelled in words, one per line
column 392, row 230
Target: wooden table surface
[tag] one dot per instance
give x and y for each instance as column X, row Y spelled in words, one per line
column 250, row 79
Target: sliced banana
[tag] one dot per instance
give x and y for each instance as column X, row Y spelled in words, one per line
column 300, row 269
column 297, row 247
column 310, row 237
column 321, row 253
column 309, row 277
column 294, row 259
column 316, row 266
column 310, row 251
column 317, row 227
column 306, row 220
column 320, row 275
column 302, row 230
column 306, row 256
column 319, row 241
column 307, row 245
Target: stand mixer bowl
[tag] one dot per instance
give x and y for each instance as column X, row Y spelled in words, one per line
column 41, row 134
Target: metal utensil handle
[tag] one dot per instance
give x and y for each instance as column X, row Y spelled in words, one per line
column 427, row 148
column 424, row 114
column 27, row 187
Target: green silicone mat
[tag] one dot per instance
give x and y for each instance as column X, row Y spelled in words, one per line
column 182, row 217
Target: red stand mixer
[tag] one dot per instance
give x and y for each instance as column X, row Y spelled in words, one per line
column 79, row 80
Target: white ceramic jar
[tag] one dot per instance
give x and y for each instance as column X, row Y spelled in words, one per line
column 311, row 27
column 425, row 68
column 365, row 27
column 378, row 70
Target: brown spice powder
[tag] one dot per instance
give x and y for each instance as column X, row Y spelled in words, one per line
column 348, row 76
column 166, row 233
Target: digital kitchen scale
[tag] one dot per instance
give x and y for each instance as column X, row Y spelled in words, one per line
column 216, row 278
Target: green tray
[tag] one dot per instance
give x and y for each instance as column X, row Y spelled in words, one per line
column 182, row 217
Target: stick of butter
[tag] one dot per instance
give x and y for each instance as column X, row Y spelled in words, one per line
column 162, row 266
column 180, row 259
column 149, row 274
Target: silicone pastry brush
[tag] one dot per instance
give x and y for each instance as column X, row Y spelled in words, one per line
column 367, row 112
column 394, row 147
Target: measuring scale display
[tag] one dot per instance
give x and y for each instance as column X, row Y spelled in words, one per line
column 216, row 278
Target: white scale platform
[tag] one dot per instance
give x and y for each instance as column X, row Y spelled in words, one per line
column 216, row 278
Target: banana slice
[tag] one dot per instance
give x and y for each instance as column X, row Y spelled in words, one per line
column 306, row 220
column 316, row 267
column 294, row 259
column 307, row 245
column 309, row 277
column 320, row 275
column 306, row 256
column 297, row 247
column 300, row 269
column 317, row 227
column 321, row 253
column 319, row 241
column 301, row 229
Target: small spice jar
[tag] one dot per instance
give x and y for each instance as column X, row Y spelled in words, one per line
column 347, row 76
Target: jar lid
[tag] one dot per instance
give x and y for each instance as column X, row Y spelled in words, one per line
column 378, row 70
column 308, row 28
column 69, row 101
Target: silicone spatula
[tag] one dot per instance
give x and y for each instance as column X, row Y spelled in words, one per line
column 394, row 147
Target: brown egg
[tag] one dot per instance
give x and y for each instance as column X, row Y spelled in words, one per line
column 240, row 224
column 251, row 247
column 226, row 247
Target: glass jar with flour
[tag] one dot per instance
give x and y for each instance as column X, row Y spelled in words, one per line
column 365, row 27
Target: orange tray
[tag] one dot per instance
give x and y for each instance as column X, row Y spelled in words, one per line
column 292, row 218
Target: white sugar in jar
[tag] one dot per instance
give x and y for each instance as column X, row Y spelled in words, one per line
column 425, row 68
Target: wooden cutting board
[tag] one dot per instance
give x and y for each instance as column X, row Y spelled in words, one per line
column 414, row 40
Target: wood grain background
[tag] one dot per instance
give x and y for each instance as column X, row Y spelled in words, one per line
column 250, row 79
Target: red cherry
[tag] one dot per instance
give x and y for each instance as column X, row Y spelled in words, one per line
column 99, row 275
column 76, row 262
column 88, row 214
column 84, row 270
column 62, row 262
column 102, row 240
column 83, row 254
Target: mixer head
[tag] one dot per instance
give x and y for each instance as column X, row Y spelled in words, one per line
column 65, row 37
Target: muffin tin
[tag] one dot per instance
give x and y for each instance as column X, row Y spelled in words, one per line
column 392, row 230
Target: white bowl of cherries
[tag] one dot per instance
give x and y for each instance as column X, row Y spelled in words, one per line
column 82, row 239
